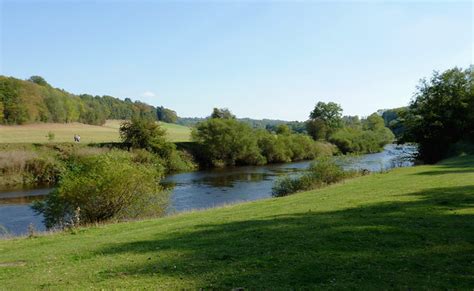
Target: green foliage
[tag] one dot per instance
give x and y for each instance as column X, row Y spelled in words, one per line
column 373, row 122
column 38, row 80
column 348, row 133
column 268, row 124
column 14, row 110
column 222, row 113
column 141, row 133
column 2, row 108
column 356, row 140
column 27, row 167
column 317, row 129
column 35, row 100
column 283, row 129
column 329, row 116
column 227, row 141
column 230, row 142
column 323, row 171
column 395, row 119
column 166, row 115
column 42, row 170
column 442, row 113
column 104, row 187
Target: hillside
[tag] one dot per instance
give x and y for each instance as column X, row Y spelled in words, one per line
column 411, row 228
column 34, row 100
column 64, row 132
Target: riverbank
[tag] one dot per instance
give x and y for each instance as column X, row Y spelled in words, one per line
column 32, row 165
column 408, row 228
column 208, row 188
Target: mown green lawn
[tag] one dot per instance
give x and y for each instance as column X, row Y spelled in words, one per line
column 109, row 132
column 411, row 228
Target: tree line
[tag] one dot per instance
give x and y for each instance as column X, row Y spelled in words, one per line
column 224, row 140
column 350, row 134
column 34, row 100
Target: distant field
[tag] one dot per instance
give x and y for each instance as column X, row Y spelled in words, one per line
column 38, row 133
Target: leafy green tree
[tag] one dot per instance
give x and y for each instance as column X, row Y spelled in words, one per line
column 142, row 133
column 362, row 136
column 222, row 113
column 166, row 115
column 15, row 110
column 227, row 142
column 283, row 129
column 374, row 122
column 1, row 112
column 352, row 121
column 38, row 80
column 317, row 129
column 441, row 113
column 329, row 114
column 395, row 120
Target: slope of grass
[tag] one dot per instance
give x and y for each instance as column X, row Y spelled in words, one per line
column 409, row 228
column 38, row 133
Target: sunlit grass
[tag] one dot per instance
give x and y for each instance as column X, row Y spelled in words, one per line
column 411, row 228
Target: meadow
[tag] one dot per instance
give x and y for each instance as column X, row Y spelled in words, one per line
column 64, row 132
column 410, row 228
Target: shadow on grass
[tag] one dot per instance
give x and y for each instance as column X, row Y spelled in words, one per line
column 444, row 172
column 465, row 162
column 428, row 242
column 453, row 166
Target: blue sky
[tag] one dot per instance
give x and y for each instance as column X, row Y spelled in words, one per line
column 261, row 59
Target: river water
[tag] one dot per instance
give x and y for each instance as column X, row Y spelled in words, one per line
column 204, row 189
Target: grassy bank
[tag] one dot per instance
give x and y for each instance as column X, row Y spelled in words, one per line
column 109, row 132
column 409, row 228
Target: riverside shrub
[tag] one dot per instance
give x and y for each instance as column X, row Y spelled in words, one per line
column 228, row 142
column 104, row 187
column 324, row 171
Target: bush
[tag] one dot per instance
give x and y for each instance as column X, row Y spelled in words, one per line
column 289, row 185
column 42, row 170
column 143, row 134
column 28, row 167
column 104, row 187
column 148, row 135
column 227, row 141
column 356, row 140
column 321, row 172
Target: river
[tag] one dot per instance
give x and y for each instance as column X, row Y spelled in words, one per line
column 203, row 189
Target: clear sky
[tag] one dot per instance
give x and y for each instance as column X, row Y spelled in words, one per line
column 261, row 59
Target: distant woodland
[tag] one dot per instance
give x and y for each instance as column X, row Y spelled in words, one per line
column 34, row 100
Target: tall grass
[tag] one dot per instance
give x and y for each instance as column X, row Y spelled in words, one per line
column 27, row 167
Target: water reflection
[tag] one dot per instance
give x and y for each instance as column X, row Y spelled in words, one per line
column 15, row 212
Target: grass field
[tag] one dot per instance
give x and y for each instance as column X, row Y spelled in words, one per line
column 38, row 133
column 411, row 228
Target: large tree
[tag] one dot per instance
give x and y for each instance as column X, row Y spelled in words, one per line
column 140, row 133
column 222, row 113
column 441, row 113
column 325, row 117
